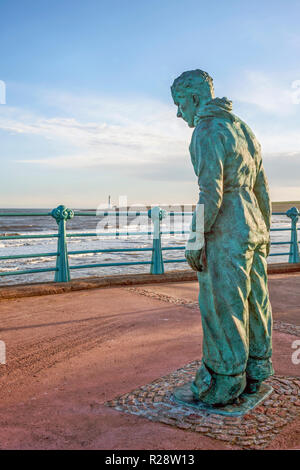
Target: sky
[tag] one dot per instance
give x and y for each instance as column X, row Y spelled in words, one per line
column 86, row 109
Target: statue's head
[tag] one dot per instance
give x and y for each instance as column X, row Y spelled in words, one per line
column 190, row 91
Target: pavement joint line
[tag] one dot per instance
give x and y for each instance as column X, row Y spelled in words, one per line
column 278, row 325
column 13, row 291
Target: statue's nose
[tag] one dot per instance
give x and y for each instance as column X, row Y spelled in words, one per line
column 179, row 114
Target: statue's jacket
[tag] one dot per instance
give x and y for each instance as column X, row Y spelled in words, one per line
column 233, row 294
column 233, row 188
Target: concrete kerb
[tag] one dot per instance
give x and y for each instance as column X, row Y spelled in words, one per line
column 50, row 288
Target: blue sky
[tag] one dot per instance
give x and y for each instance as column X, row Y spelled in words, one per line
column 88, row 108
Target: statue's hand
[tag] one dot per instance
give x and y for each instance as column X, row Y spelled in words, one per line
column 193, row 258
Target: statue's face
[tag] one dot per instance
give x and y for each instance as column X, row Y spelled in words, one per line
column 187, row 106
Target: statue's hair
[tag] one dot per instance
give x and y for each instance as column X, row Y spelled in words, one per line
column 195, row 82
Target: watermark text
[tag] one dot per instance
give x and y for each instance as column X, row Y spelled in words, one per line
column 296, row 354
column 2, row 353
column 2, row 92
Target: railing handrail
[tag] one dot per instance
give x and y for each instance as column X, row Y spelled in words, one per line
column 96, row 213
column 62, row 214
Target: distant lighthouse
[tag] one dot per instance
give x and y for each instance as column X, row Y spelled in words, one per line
column 109, row 206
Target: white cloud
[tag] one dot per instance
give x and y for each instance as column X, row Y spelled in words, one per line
column 286, row 141
column 133, row 133
column 136, row 134
column 266, row 92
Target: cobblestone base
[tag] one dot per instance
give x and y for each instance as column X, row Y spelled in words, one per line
column 254, row 430
column 281, row 326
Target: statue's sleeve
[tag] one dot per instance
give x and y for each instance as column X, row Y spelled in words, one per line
column 210, row 155
column 261, row 190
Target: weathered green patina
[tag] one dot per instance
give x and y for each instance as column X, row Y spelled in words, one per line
column 241, row 405
column 232, row 269
column 61, row 214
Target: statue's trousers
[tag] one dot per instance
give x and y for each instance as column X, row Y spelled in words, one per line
column 235, row 309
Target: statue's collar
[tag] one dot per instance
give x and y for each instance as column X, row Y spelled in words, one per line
column 215, row 107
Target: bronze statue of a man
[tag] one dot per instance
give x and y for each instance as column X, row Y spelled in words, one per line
column 231, row 267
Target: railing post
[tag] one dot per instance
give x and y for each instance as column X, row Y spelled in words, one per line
column 61, row 214
column 157, row 263
column 293, row 214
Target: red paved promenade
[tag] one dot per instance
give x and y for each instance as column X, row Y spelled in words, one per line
column 67, row 354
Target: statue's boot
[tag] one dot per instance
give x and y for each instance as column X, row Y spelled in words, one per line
column 252, row 386
column 216, row 389
column 257, row 371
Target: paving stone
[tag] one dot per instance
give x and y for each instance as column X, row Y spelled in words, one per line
column 202, row 429
column 252, row 431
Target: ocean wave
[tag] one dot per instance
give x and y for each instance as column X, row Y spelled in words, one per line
column 80, row 243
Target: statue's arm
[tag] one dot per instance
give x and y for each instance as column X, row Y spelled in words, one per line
column 261, row 191
column 210, row 157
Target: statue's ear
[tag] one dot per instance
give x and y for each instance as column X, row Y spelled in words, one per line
column 196, row 100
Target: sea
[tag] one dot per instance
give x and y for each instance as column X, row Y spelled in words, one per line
column 42, row 225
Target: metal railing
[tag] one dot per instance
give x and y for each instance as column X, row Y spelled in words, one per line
column 62, row 269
